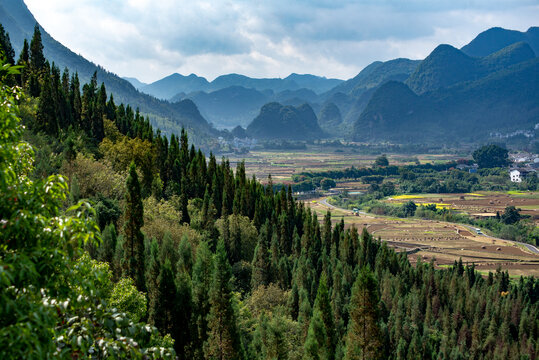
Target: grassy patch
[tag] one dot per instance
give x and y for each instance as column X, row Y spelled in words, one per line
column 405, row 197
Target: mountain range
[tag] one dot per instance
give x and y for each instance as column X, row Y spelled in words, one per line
column 169, row 117
column 488, row 88
column 176, row 84
column 452, row 96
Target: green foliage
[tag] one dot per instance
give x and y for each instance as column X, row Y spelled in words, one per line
column 491, row 156
column 223, row 341
column 5, row 46
column 126, row 298
column 364, row 338
column 51, row 305
column 511, row 215
column 381, row 161
column 37, row 59
column 134, row 239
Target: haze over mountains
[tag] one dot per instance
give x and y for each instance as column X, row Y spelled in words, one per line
column 456, row 97
column 19, row 23
column 486, row 89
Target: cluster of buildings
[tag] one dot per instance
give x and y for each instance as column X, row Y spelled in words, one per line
column 523, row 165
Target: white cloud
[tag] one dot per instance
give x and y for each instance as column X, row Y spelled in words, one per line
column 150, row 39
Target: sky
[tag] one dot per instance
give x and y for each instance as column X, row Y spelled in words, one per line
column 150, row 39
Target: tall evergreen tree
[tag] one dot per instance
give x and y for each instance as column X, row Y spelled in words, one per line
column 46, row 112
column 224, row 340
column 364, row 339
column 152, row 274
column 24, row 60
column 202, row 280
column 183, row 311
column 184, row 200
column 261, row 264
column 321, row 341
column 134, row 239
column 5, row 46
column 165, row 311
column 37, row 58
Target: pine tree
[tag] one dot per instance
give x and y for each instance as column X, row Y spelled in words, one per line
column 108, row 244
column 75, row 100
column 184, row 200
column 223, row 336
column 134, row 239
column 363, row 339
column 202, row 280
column 165, row 309
column 152, row 275
column 37, row 58
column 183, row 312
column 261, row 265
column 24, row 61
column 5, row 46
column 323, row 305
column 46, row 113
column 315, row 344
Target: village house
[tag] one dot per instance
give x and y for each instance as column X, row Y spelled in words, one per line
column 517, row 175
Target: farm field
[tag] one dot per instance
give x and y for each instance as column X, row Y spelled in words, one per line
column 480, row 204
column 283, row 164
column 445, row 242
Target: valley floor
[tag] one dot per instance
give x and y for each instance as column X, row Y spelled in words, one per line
column 445, row 242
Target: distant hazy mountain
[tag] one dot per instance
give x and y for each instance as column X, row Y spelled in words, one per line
column 447, row 65
column 376, row 74
column 135, row 82
column 173, row 84
column 276, row 121
column 237, row 105
column 231, row 106
column 500, row 102
column 170, row 86
column 19, row 22
column 315, row 83
column 495, row 39
column 352, row 96
column 330, row 117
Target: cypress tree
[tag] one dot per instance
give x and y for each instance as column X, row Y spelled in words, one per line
column 152, row 275
column 108, row 244
column 75, row 100
column 202, row 280
column 165, row 308
column 183, row 313
column 321, row 341
column 24, row 60
column 134, row 239
column 184, row 200
column 261, row 266
column 6, row 47
column 37, row 58
column 364, row 340
column 223, row 336
column 46, row 114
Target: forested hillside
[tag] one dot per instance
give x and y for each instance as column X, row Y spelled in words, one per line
column 170, row 118
column 220, row 264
